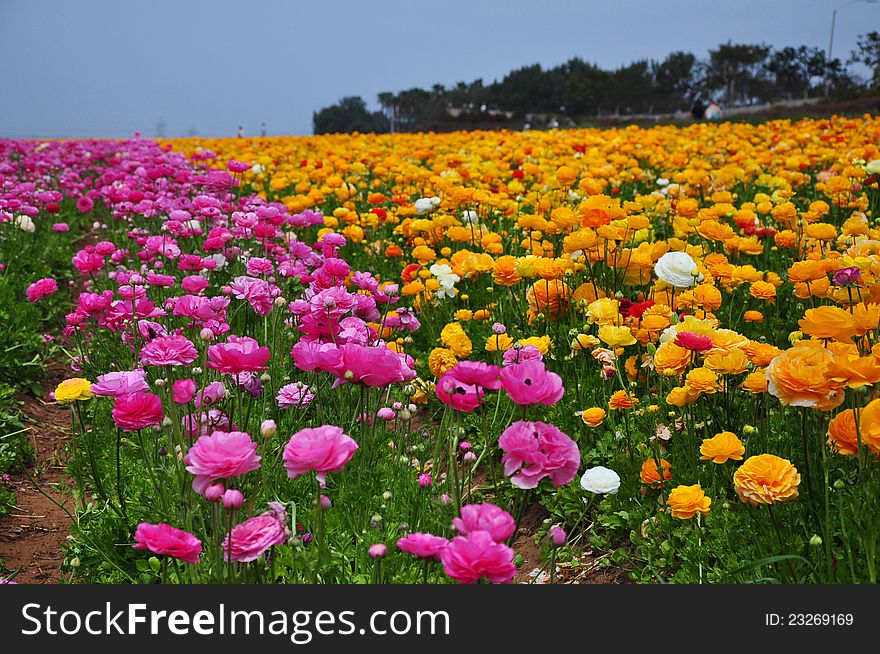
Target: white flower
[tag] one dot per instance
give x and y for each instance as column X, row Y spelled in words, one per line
column 600, row 480
column 25, row 224
column 469, row 217
column 426, row 205
column 677, row 269
column 662, row 181
column 873, row 167
column 220, row 259
column 256, row 169
column 446, row 278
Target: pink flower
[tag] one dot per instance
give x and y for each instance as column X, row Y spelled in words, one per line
column 232, row 499
column 485, row 517
column 250, row 539
column 477, row 373
column 168, row 540
column 40, row 289
column 235, row 166
column 530, row 382
column 378, row 550
column 322, row 449
column 183, row 390
column 457, row 394
column 136, row 411
column 114, row 384
column 60, row 227
column 534, row 450
column 557, row 535
column 692, row 341
column 237, row 355
column 424, row 546
column 85, row 204
column 371, row 366
column 425, row 480
column 296, row 394
column 526, row 353
column 470, row 558
column 220, row 456
column 173, row 350
column 312, row 355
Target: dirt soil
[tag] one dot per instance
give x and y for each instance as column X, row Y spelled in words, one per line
column 32, row 533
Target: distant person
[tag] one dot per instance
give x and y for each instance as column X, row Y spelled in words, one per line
column 698, row 111
column 262, row 129
column 712, row 112
column 240, row 131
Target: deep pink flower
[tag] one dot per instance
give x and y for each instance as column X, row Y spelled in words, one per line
column 530, row 382
column 114, row 384
column 322, row 449
column 469, row 558
column 220, row 456
column 371, row 366
column 250, row 539
column 424, row 546
column 295, row 394
column 40, row 289
column 534, row 450
column 167, row 540
column 235, row 166
column 526, row 353
column 136, row 411
column 312, row 355
column 183, row 390
column 477, row 373
column 172, row 350
column 457, row 394
column 485, row 517
column 85, row 204
column 694, row 342
column 237, row 355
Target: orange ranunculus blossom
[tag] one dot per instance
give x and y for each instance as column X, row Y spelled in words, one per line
column 549, row 298
column 650, row 473
column 798, row 377
column 722, row 448
column 622, row 400
column 594, row 416
column 829, row 322
column 766, row 479
column 686, row 501
column 869, row 425
column 843, row 436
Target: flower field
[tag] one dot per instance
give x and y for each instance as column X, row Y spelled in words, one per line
column 374, row 359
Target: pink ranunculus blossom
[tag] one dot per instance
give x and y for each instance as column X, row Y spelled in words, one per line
column 458, row 395
column 485, row 517
column 534, row 450
column 693, row 341
column 237, row 355
column 210, row 394
column 371, row 366
column 516, row 355
column 183, row 390
column 309, row 356
column 172, row 350
column 423, row 546
column 220, row 456
column 40, row 289
column 136, row 411
column 295, row 394
column 322, row 449
column 114, row 384
column 467, row 559
column 250, row 539
column 530, row 382
column 170, row 541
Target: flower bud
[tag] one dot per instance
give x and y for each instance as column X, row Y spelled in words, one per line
column 233, row 499
column 378, row 550
column 268, row 429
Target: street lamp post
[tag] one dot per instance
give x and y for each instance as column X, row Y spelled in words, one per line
column 831, row 39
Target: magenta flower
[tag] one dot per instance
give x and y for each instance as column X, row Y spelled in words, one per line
column 424, row 546
column 371, row 366
column 167, row 540
column 183, row 390
column 847, row 276
column 40, row 289
column 322, row 449
column 136, row 411
column 519, row 355
column 114, row 384
column 692, row 341
column 534, row 450
column 220, row 456
column 458, row 395
column 237, row 355
column 173, row 350
column 250, row 539
column 530, row 382
column 477, row 373
column 485, row 517
column 295, row 394
column 470, row 558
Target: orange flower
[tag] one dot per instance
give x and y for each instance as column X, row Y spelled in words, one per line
column 753, row 316
column 702, row 380
column 670, row 356
column 869, row 425
column 622, row 400
column 548, row 297
column 393, row 251
column 593, row 417
column 842, row 435
column 756, row 382
column 829, row 322
column 766, row 479
column 762, row 290
column 650, row 474
column 686, row 501
column 722, row 448
column 504, row 271
column 798, row 377
column 682, row 396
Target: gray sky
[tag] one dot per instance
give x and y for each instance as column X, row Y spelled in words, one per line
column 107, row 68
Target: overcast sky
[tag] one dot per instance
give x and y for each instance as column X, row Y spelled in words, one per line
column 108, row 68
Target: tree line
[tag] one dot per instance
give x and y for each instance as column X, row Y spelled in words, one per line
column 733, row 74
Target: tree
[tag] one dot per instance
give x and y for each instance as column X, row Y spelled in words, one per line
column 738, row 72
column 676, row 82
column 350, row 114
column 794, row 69
column 867, row 52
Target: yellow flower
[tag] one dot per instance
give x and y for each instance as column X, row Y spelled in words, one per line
column 463, row 314
column 455, row 339
column 543, row 343
column 616, row 336
column 498, row 343
column 766, row 479
column 72, row 390
column 686, row 501
column 440, row 360
column 702, row 380
column 722, row 447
